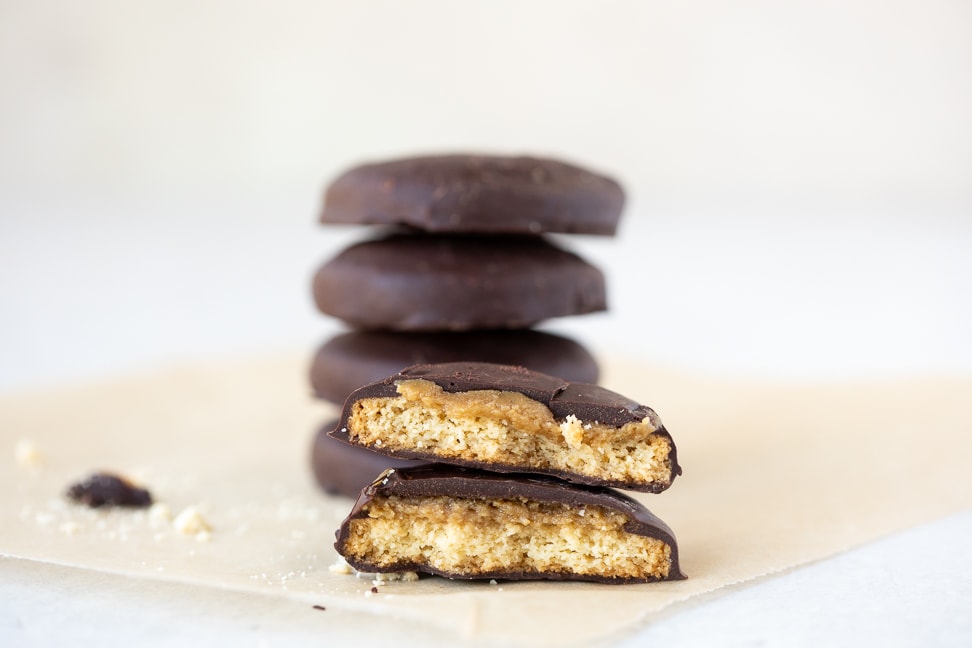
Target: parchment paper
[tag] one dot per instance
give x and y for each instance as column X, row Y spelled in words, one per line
column 775, row 476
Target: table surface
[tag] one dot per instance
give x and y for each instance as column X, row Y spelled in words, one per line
column 89, row 293
column 868, row 595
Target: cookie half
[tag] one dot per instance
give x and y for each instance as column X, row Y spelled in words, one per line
column 351, row 360
column 476, row 193
column 511, row 419
column 406, row 282
column 462, row 523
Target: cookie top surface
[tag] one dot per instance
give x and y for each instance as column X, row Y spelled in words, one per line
column 476, row 193
column 357, row 358
column 419, row 282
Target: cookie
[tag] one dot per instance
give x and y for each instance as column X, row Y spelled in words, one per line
column 463, row 523
column 511, row 419
column 408, row 282
column 476, row 193
column 351, row 360
column 342, row 469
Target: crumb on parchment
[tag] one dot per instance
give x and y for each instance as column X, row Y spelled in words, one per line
column 107, row 489
column 191, row 522
column 27, row 455
column 159, row 515
column 341, row 566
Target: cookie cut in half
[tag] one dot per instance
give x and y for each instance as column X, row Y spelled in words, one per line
column 464, row 523
column 510, row 419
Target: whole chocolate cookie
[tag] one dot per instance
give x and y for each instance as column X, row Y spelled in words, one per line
column 352, row 360
column 342, row 469
column 476, row 193
column 418, row 282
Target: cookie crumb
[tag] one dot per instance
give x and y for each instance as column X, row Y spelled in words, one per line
column 107, row 490
column 159, row 515
column 44, row 519
column 27, row 455
column 70, row 528
column 340, row 566
column 573, row 431
column 390, row 577
column 191, row 522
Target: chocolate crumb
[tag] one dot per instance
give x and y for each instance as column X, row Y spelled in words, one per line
column 319, row 607
column 374, row 590
column 105, row 489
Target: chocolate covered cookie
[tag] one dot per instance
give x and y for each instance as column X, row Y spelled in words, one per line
column 351, row 360
column 342, row 469
column 476, row 193
column 511, row 419
column 463, row 523
column 408, row 282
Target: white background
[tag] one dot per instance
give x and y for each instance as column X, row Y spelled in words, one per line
column 799, row 174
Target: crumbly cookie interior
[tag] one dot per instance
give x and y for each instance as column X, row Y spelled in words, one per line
column 491, row 537
column 502, row 427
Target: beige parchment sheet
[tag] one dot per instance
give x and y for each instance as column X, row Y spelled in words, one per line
column 775, row 476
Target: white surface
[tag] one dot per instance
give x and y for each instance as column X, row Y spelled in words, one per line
column 800, row 175
column 91, row 289
column 801, row 201
column 912, row 589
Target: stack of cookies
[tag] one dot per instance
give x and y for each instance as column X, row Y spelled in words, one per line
column 457, row 267
column 496, row 456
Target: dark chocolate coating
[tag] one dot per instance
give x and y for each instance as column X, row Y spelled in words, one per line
column 351, row 360
column 107, row 490
column 476, row 193
column 438, row 479
column 417, row 282
column 342, row 469
column 562, row 397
